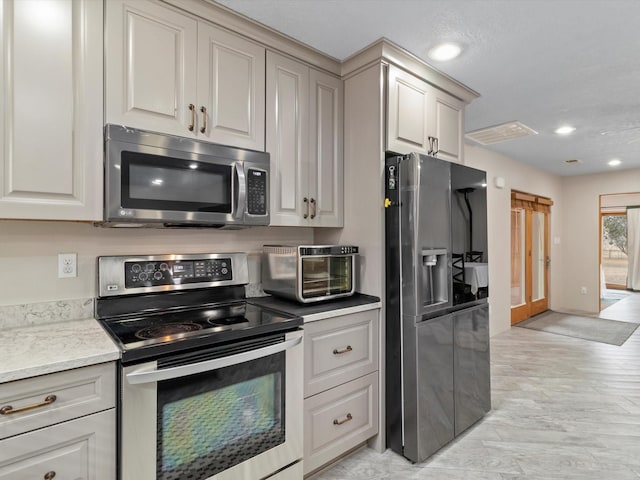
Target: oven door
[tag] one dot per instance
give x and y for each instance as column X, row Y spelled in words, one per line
column 222, row 413
column 325, row 276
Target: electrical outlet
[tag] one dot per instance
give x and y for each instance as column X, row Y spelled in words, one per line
column 67, row 265
column 583, row 290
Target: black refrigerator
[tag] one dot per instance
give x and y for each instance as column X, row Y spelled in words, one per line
column 437, row 310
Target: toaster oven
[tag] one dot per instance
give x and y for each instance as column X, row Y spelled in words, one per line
column 309, row 273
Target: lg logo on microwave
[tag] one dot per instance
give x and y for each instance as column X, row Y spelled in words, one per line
column 125, row 213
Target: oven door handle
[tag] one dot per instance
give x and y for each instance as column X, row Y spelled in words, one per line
column 152, row 376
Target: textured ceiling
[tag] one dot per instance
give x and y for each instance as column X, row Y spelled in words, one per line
column 544, row 63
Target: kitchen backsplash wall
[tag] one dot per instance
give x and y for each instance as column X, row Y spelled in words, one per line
column 29, row 253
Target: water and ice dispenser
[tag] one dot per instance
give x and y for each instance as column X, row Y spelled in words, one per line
column 435, row 277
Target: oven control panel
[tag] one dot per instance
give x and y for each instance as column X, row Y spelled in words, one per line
column 132, row 275
column 171, row 272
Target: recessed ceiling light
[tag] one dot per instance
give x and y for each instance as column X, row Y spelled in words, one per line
column 565, row 130
column 444, row 52
column 615, row 162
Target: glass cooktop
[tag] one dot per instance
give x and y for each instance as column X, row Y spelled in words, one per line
column 154, row 335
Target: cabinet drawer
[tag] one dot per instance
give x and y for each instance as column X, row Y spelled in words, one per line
column 77, row 392
column 81, row 449
column 339, row 419
column 339, row 349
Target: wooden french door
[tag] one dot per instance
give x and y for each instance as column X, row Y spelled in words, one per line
column 529, row 255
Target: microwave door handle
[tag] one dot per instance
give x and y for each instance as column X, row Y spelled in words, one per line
column 241, row 194
column 153, row 376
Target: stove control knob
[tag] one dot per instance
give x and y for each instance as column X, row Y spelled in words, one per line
column 143, row 276
column 135, row 268
column 150, row 267
column 157, row 275
column 164, row 267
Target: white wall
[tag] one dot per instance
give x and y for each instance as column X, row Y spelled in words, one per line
column 28, row 253
column 581, row 245
column 527, row 179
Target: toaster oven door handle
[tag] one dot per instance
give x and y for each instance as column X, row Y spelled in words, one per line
column 240, row 190
column 153, row 376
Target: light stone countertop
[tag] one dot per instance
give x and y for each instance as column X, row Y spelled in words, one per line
column 47, row 348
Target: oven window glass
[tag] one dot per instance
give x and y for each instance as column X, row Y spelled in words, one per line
column 212, row 421
column 329, row 275
column 162, row 183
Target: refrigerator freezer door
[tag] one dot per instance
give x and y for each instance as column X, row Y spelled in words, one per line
column 429, row 403
column 424, row 226
column 472, row 382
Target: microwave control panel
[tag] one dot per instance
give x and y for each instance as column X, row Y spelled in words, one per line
column 256, row 192
column 173, row 272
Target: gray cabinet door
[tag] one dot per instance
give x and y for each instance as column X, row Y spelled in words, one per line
column 472, row 383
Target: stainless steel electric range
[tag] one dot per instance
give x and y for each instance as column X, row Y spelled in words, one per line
column 210, row 385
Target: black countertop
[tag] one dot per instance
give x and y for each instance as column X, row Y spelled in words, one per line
column 306, row 309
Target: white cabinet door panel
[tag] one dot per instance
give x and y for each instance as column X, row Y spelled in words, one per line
column 449, row 128
column 51, row 99
column 408, row 106
column 151, row 66
column 326, row 183
column 80, row 449
column 231, row 87
column 287, row 138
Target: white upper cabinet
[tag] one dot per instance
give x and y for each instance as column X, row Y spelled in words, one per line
column 151, row 54
column 409, row 120
column 170, row 73
column 304, row 138
column 422, row 118
column 449, row 128
column 326, row 177
column 230, row 88
column 51, row 80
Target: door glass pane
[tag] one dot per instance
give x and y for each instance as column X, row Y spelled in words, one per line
column 537, row 256
column 614, row 250
column 211, row 421
column 326, row 275
column 517, row 256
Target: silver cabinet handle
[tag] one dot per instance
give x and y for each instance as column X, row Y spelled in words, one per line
column 315, row 208
column 306, row 202
column 345, row 350
column 203, row 129
column 192, row 108
column 153, row 376
column 436, row 146
column 7, row 410
column 342, row 422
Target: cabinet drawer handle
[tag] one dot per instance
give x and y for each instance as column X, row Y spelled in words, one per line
column 315, row 208
column 436, row 146
column 344, row 350
column 49, row 475
column 341, row 422
column 203, row 129
column 192, row 108
column 9, row 409
column 306, row 202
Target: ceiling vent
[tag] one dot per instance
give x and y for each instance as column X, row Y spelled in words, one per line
column 500, row 133
column 573, row 161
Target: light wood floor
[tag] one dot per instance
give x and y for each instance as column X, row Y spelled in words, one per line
column 563, row 408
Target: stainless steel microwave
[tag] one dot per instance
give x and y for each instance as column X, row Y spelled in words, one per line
column 153, row 179
column 309, row 273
